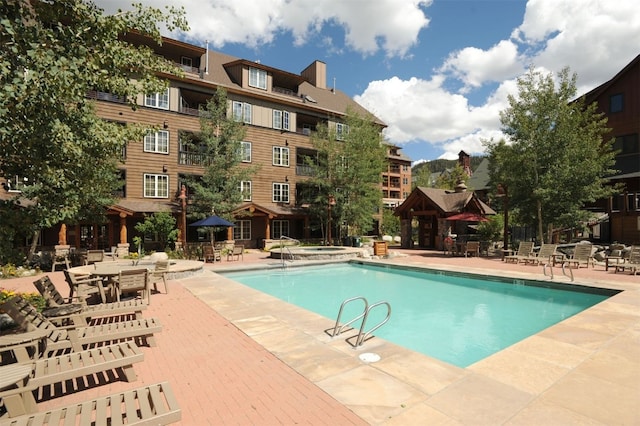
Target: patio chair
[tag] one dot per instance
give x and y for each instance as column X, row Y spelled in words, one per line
column 525, row 248
column 42, row 373
column 471, row 248
column 79, row 312
column 211, row 253
column 84, row 286
column 75, row 338
column 60, row 256
column 237, row 251
column 632, row 263
column 149, row 405
column 545, row 255
column 581, row 256
column 160, row 274
column 133, row 281
column 94, row 256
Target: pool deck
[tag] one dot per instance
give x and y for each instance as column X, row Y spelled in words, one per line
column 238, row 357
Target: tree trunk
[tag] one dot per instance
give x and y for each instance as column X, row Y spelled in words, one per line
column 540, row 229
column 34, row 244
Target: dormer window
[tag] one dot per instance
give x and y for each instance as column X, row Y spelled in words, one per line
column 258, row 78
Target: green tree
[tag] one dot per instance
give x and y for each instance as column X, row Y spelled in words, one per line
column 390, row 223
column 349, row 167
column 52, row 53
column 452, row 178
column 220, row 145
column 422, row 176
column 160, row 225
column 558, row 159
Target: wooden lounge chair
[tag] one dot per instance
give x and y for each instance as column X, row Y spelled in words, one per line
column 160, row 274
column 631, row 263
column 19, row 399
column 79, row 338
column 84, row 286
column 544, row 255
column 237, row 251
column 149, row 405
column 134, row 281
column 80, row 313
column 472, row 248
column 581, row 256
column 523, row 254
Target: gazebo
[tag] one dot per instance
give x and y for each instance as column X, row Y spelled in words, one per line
column 431, row 208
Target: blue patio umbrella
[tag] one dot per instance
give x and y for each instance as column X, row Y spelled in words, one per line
column 212, row 221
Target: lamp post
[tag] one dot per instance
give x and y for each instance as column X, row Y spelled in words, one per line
column 332, row 202
column 183, row 216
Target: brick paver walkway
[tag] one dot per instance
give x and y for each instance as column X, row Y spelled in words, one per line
column 219, row 374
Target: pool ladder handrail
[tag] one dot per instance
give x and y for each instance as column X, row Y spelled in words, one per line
column 362, row 336
column 283, row 247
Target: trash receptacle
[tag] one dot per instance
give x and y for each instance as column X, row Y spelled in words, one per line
column 357, row 242
column 347, row 241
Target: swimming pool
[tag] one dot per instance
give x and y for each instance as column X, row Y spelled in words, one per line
column 457, row 318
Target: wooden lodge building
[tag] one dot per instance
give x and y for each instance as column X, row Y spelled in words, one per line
column 279, row 110
column 619, row 100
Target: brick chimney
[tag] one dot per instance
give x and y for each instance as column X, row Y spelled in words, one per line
column 465, row 162
column 316, row 74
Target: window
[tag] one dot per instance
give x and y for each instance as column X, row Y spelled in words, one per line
column 281, row 120
column 616, row 103
column 245, row 190
column 185, row 61
column 242, row 230
column 280, row 228
column 245, row 154
column 341, row 131
column 157, row 142
column 280, row 156
column 16, row 184
column 156, row 186
column 280, row 192
column 242, row 112
column 258, row 78
column 157, row 100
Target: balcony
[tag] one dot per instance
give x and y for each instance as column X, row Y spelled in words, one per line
column 105, row 96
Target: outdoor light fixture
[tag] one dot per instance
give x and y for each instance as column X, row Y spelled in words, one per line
column 165, row 124
column 164, row 168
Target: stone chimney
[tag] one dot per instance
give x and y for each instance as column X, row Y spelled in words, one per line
column 316, row 74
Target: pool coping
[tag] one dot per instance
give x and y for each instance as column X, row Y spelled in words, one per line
column 522, row 384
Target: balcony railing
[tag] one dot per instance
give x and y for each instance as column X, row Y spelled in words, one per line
column 192, row 159
column 193, row 111
column 303, row 170
column 284, row 91
column 105, row 96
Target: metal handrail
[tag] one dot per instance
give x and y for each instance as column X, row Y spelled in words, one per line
column 337, row 329
column 364, row 336
column 283, row 247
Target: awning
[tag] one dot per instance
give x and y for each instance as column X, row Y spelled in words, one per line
column 468, row 217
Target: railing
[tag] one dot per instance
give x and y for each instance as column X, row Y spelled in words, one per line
column 105, row 96
column 284, row 238
column 362, row 335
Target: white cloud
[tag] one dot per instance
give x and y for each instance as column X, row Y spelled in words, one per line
column 595, row 38
column 388, row 25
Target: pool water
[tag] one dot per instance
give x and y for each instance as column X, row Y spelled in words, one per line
column 455, row 318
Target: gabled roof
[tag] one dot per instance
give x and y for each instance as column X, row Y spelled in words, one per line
column 479, row 180
column 593, row 94
column 444, row 202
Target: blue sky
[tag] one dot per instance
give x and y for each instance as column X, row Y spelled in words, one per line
column 437, row 72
